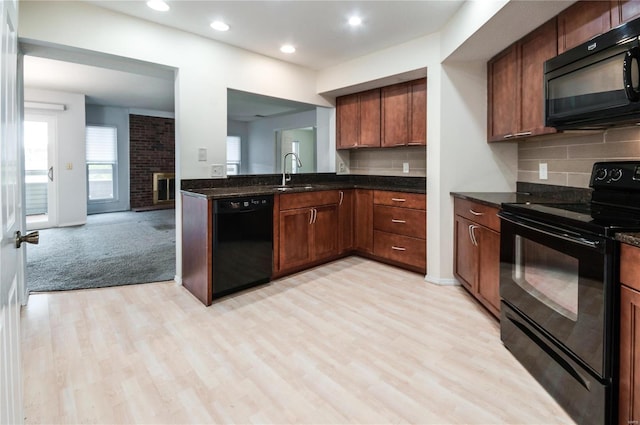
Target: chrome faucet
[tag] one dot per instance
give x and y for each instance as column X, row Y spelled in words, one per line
column 284, row 166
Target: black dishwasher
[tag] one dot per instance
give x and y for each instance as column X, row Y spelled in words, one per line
column 242, row 243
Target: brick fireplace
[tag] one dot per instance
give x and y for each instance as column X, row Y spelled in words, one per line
column 152, row 150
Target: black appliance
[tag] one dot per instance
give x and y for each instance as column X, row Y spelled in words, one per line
column 242, row 243
column 595, row 84
column 559, row 290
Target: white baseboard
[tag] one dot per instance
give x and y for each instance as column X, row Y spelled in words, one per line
column 178, row 279
column 441, row 281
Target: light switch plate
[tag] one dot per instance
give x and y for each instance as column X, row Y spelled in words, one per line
column 202, row 154
column 217, row 170
column 405, row 167
column 543, row 171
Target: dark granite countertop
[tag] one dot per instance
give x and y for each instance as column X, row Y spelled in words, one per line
column 629, row 238
column 269, row 185
column 528, row 192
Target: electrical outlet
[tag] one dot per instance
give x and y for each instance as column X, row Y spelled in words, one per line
column 217, row 170
column 342, row 168
column 542, row 171
column 405, row 167
column 202, row 154
column 69, row 166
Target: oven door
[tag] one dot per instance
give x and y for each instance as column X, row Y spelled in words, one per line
column 559, row 281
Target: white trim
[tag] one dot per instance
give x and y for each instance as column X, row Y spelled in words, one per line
column 441, row 281
column 151, row 113
column 44, row 105
column 178, row 279
column 78, row 223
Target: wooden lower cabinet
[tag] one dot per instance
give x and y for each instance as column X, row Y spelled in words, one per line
column 363, row 221
column 400, row 229
column 477, row 252
column 308, row 231
column 629, row 390
column 345, row 221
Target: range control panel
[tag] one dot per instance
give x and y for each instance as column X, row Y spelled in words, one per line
column 616, row 175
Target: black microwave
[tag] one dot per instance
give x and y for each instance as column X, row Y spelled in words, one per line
column 596, row 84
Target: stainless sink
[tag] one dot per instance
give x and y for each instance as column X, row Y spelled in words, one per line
column 288, row 188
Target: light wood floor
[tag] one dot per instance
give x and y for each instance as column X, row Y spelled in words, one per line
column 353, row 341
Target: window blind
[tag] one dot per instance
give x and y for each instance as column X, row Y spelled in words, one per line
column 233, row 149
column 101, row 145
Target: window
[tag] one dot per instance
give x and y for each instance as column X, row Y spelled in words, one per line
column 295, row 148
column 102, row 163
column 233, row 155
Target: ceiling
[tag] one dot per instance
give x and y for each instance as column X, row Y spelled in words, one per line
column 318, row 29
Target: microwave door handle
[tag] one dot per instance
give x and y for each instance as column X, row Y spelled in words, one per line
column 632, row 55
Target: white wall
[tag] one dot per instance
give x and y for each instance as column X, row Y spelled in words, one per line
column 119, row 118
column 71, row 184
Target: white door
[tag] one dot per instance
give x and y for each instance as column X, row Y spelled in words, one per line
column 39, row 137
column 11, row 265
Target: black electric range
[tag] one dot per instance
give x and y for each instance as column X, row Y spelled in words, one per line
column 559, row 290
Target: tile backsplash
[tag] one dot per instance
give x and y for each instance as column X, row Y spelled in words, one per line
column 389, row 161
column 570, row 156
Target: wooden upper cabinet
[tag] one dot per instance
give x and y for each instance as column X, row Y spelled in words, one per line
column 582, row 21
column 358, row 120
column 504, row 102
column 418, row 125
column 515, row 86
column 534, row 49
column 624, row 11
column 395, row 114
column 404, row 114
column 370, row 118
column 348, row 120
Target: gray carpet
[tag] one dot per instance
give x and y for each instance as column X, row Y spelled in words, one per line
column 111, row 249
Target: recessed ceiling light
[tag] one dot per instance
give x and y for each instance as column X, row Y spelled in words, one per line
column 219, row 26
column 287, row 48
column 158, row 5
column 354, row 21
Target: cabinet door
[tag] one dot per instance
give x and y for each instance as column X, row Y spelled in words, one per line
column 370, row 118
column 348, row 121
column 535, row 49
column 418, row 127
column 345, row 219
column 395, row 114
column 624, row 11
column 295, row 237
column 465, row 262
column 488, row 252
column 504, row 102
column 325, row 232
column 629, row 399
column 363, row 220
column 582, row 21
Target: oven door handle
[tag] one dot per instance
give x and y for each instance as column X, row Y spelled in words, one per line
column 569, row 238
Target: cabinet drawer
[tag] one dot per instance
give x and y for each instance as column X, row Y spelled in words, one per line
column 400, row 199
column 308, row 199
column 403, row 249
column 630, row 266
column 402, row 221
column 478, row 213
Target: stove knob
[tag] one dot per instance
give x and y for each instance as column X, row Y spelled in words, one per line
column 615, row 174
column 601, row 173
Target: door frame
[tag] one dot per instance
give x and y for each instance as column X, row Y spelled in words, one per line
column 52, row 152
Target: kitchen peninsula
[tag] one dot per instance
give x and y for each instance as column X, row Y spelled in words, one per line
column 316, row 218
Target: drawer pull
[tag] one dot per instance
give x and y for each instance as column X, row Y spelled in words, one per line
column 475, row 212
column 393, row 220
column 398, row 199
column 398, row 248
